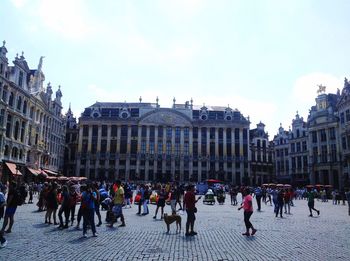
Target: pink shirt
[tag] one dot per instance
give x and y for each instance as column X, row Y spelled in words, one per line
column 248, row 203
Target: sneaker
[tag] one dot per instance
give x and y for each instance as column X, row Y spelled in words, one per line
column 85, row 235
column 154, row 217
column 122, row 225
column 310, row 215
column 3, row 244
column 318, row 212
column 193, row 233
column 254, row 231
column 246, row 234
column 99, row 224
column 95, row 234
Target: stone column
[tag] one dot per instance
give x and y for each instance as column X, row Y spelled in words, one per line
column 173, row 153
column 200, row 154
column 89, row 138
column 147, row 151
column 182, row 141
column 216, row 150
column 138, row 160
column 109, row 129
column 127, row 163
column 224, row 146
column 190, row 152
column 164, row 152
column 99, row 136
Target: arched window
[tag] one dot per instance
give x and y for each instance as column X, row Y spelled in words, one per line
column 16, row 130
column 4, row 94
column 14, row 153
column 25, row 107
column 11, row 99
column 23, row 130
column 31, row 113
column 6, row 151
column 19, row 103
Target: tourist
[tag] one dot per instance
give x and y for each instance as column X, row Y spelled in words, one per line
column 258, row 196
column 97, row 204
column 160, row 203
column 65, row 207
column 73, row 199
column 51, row 204
column 311, row 202
column 142, row 198
column 247, row 205
column 190, row 206
column 147, row 195
column 88, row 197
column 118, row 205
column 280, row 196
column 178, row 193
column 348, row 199
column 288, row 195
column 3, row 241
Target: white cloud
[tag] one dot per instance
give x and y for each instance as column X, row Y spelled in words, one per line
column 305, row 87
column 66, row 17
column 19, row 3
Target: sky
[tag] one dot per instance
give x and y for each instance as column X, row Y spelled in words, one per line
column 264, row 58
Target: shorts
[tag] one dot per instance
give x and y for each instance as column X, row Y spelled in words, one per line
column 161, row 203
column 118, row 210
column 190, row 215
column 10, row 211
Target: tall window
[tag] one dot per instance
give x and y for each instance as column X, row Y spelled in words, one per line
column 20, row 79
column 324, row 153
column 186, row 148
column 168, row 132
column 19, row 103
column 160, row 147
column 16, row 130
column 323, row 135
column 104, row 131
column 114, row 131
column 168, row 148
column 8, row 126
column 143, row 147
column 186, row 133
column 23, row 129
column 151, row 147
column 11, row 99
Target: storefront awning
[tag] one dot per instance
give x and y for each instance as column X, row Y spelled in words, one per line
column 13, row 168
column 50, row 172
column 35, row 172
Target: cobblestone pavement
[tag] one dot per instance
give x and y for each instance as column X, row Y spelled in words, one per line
column 219, row 227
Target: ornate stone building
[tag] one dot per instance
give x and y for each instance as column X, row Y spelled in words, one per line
column 281, row 159
column 70, row 150
column 142, row 141
column 344, row 131
column 261, row 164
column 298, row 152
column 31, row 124
column 324, row 140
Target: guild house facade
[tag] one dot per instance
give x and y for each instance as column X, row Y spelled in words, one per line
column 143, row 141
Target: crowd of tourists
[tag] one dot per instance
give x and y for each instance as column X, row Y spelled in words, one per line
column 69, row 203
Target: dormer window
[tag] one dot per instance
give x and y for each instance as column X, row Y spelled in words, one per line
column 20, row 79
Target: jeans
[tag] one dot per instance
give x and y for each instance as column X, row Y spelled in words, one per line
column 279, row 208
column 287, row 205
column 66, row 215
column 247, row 216
column 88, row 218
column 258, row 201
column 145, row 206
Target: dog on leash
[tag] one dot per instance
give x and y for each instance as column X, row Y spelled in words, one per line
column 169, row 219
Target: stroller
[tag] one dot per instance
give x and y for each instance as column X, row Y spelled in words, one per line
column 209, row 197
column 220, row 196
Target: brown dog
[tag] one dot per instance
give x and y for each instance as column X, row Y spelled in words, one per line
column 171, row 219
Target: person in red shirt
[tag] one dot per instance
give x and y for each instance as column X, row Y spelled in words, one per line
column 247, row 205
column 190, row 206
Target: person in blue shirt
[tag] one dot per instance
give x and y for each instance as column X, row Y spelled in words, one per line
column 88, row 197
column 258, row 196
